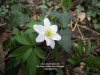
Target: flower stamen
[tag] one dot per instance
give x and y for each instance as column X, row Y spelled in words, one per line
column 49, row 33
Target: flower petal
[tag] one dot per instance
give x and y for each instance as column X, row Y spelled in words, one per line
column 54, row 27
column 52, row 44
column 47, row 41
column 47, row 23
column 56, row 37
column 39, row 28
column 40, row 38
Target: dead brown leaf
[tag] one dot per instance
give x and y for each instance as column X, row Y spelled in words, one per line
column 81, row 16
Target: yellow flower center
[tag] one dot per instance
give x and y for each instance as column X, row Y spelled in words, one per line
column 49, row 33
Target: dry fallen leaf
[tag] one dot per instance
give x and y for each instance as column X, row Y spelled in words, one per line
column 36, row 17
column 30, row 1
column 77, row 71
column 4, row 34
column 81, row 16
column 82, row 65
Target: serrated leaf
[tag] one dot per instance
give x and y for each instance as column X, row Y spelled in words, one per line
column 25, row 39
column 63, row 18
column 18, row 16
column 34, row 22
column 20, row 51
column 66, row 42
column 31, row 23
column 40, row 53
column 32, row 39
column 32, row 64
column 26, row 55
column 55, row 14
column 16, row 31
column 22, row 40
column 31, row 30
column 21, row 54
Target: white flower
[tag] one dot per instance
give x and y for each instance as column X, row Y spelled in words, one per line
column 47, row 32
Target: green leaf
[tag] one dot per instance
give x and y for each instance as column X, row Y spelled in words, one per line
column 80, row 48
column 40, row 53
column 66, row 42
column 66, row 3
column 20, row 51
column 57, row 51
column 16, row 31
column 22, row 54
column 32, row 39
column 32, row 64
column 93, row 62
column 55, row 14
column 71, row 61
column 80, row 45
column 25, row 39
column 31, row 23
column 3, row 10
column 91, row 13
column 97, row 25
column 63, row 18
column 19, row 15
column 30, row 31
column 74, row 59
column 95, row 21
column 79, row 8
column 11, row 1
column 22, row 40
column 89, row 45
column 98, row 4
column 34, row 22
column 26, row 55
column 43, row 6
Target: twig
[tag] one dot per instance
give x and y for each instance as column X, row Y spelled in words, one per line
column 81, row 34
column 89, row 29
column 77, row 37
column 76, row 25
column 74, row 28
